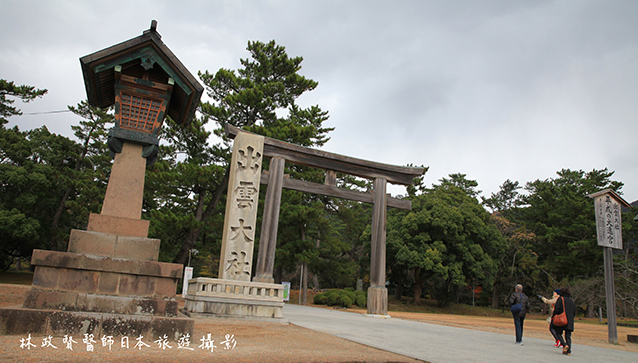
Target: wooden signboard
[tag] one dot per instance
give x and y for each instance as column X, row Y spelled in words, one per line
column 608, row 206
column 609, row 231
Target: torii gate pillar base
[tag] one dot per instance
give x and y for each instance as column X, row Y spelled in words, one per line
column 377, row 301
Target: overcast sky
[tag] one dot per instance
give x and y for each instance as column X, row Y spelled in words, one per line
column 496, row 90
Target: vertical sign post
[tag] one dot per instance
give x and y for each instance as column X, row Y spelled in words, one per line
column 609, row 231
column 188, row 274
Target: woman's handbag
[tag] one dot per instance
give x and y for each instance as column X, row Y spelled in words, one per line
column 560, row 319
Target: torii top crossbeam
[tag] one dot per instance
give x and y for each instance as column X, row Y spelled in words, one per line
column 296, row 154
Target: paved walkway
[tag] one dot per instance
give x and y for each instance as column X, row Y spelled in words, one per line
column 439, row 343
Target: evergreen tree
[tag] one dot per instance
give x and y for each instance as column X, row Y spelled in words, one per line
column 86, row 182
column 24, row 93
column 259, row 97
column 518, row 263
column 561, row 215
column 446, row 240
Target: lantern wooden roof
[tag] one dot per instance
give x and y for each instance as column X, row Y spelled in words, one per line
column 145, row 52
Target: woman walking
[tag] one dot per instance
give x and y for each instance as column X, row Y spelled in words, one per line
column 551, row 302
column 564, row 303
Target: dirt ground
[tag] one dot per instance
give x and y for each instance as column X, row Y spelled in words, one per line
column 272, row 342
column 248, row 342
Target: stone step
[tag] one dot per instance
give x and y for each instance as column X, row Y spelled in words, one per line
column 22, row 321
column 72, row 272
column 72, row 301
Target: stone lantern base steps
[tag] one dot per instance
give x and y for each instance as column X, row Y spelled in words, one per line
column 105, row 284
column 208, row 297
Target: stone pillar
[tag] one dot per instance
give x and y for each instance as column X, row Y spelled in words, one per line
column 270, row 222
column 232, row 294
column 125, row 190
column 122, row 208
column 377, row 292
column 241, row 208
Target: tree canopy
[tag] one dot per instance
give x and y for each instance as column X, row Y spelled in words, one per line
column 447, row 239
column 49, row 183
column 23, row 92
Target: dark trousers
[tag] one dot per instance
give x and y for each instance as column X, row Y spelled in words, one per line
column 518, row 324
column 568, row 336
column 553, row 331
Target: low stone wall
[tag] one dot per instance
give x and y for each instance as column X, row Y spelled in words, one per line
column 231, row 298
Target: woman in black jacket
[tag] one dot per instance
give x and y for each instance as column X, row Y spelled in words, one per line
column 565, row 299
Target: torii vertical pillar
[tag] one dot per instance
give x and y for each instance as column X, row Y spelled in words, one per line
column 377, row 292
column 268, row 238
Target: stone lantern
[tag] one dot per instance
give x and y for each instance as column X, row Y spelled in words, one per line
column 145, row 82
column 109, row 281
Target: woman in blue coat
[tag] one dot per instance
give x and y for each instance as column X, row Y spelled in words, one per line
column 565, row 299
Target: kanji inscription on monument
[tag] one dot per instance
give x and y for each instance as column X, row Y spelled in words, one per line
column 241, row 208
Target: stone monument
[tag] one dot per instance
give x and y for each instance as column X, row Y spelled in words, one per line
column 233, row 294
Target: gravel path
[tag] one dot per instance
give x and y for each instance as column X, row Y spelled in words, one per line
column 446, row 344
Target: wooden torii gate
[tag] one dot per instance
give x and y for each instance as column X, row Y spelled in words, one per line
column 280, row 152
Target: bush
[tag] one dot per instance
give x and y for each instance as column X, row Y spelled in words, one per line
column 332, row 298
column 351, row 289
column 351, row 295
column 361, row 300
column 320, row 299
column 346, row 298
column 345, row 301
column 323, row 300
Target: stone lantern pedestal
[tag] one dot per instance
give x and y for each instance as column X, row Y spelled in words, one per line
column 109, row 282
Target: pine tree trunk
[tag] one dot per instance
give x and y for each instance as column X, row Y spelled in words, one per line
column 53, row 244
column 304, row 297
column 399, row 291
column 418, row 286
column 590, row 313
column 304, row 274
column 496, row 297
column 278, row 274
column 193, row 234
